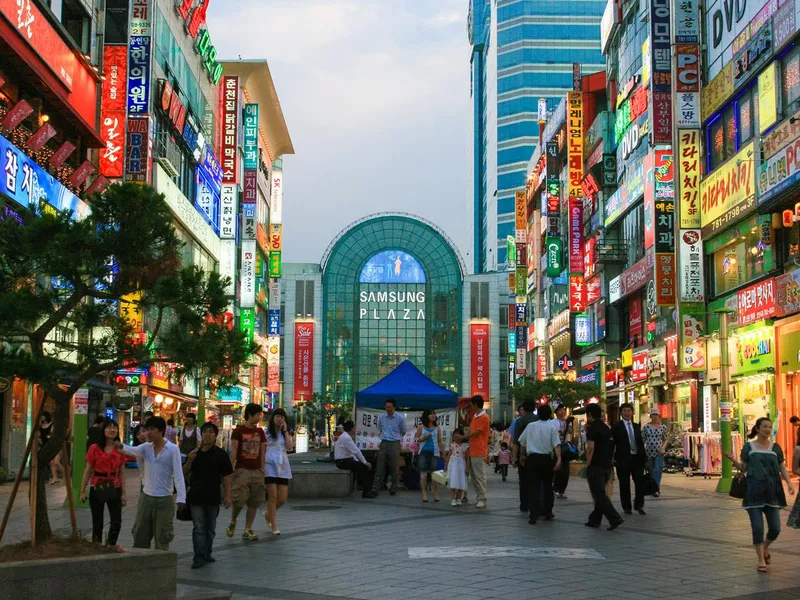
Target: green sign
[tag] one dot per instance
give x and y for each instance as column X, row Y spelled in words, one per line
column 511, row 250
column 275, row 265
column 259, row 266
column 522, row 281
column 247, row 323
column 553, row 248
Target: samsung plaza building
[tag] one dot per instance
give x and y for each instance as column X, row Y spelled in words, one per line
column 393, row 287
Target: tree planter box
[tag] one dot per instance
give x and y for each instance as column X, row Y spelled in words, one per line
column 117, row 576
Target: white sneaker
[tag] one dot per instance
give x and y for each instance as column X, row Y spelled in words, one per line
column 480, row 505
column 454, row 503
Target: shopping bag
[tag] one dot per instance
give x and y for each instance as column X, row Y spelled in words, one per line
column 440, row 477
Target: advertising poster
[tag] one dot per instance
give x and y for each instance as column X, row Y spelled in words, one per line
column 368, row 437
column 303, row 360
column 479, row 359
column 692, row 350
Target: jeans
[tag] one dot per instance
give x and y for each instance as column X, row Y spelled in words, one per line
column 656, row 467
column 773, row 515
column 204, row 522
column 598, row 477
column 115, row 517
column 540, row 484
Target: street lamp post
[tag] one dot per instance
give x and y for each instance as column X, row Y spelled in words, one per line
column 603, row 357
column 724, row 484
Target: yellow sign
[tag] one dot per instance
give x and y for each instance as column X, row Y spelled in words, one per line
column 132, row 312
column 575, row 143
column 627, row 358
column 767, row 97
column 687, row 178
column 521, row 211
column 728, row 193
column 276, row 238
column 717, row 91
column 645, row 62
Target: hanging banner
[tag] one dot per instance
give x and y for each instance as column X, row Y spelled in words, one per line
column 690, row 254
column 230, row 129
column 688, row 181
column 692, row 351
column 575, row 143
column 303, row 361
column 479, row 359
column 368, row 435
column 112, row 112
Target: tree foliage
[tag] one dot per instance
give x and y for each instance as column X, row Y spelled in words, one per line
column 72, row 293
column 557, row 391
column 321, row 408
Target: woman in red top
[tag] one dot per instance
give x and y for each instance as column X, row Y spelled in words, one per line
column 104, row 463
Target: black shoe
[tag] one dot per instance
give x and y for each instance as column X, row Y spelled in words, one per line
column 197, row 563
column 523, row 509
column 531, row 521
column 369, row 494
column 628, row 512
column 641, row 511
column 211, row 559
column 593, row 525
column 392, row 493
column 549, row 517
column 615, row 524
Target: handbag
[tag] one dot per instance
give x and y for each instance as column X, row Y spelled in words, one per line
column 440, row 477
column 738, row 486
column 568, row 452
column 651, row 488
column 106, row 489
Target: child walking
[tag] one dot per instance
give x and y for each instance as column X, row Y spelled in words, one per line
column 503, row 460
column 457, row 470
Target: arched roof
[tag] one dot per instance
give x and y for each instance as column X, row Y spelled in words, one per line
column 392, row 230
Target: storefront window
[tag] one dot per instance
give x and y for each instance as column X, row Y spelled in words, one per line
column 743, row 259
column 747, row 105
column 633, row 232
column 790, row 80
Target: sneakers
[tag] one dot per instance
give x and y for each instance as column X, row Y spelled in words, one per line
column 249, row 535
column 561, row 496
column 455, row 503
column 231, row 529
column 198, row 563
column 480, row 505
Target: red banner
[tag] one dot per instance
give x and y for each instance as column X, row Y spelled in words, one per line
column 576, row 236
column 303, row 361
column 636, row 319
column 757, row 302
column 577, row 293
column 479, row 359
column 639, row 368
column 230, row 126
column 665, row 279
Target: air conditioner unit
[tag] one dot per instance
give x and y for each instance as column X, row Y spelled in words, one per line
column 167, row 154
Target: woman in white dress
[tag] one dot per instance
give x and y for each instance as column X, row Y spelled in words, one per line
column 277, row 470
column 457, row 469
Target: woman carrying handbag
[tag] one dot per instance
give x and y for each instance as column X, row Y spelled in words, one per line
column 763, row 463
column 105, row 465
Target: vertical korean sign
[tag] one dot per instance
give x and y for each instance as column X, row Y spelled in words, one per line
column 303, row 361
column 575, row 192
column 661, row 72
column 112, row 112
column 138, row 142
column 230, row 128
column 247, row 292
column 479, row 359
column 250, row 183
column 664, row 230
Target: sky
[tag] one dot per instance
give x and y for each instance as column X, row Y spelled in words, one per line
column 375, row 94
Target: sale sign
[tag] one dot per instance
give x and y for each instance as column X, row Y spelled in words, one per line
column 479, row 359
column 303, row 361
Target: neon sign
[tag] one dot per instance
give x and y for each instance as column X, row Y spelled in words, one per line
column 194, row 21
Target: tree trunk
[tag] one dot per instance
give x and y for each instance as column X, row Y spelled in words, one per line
column 45, row 456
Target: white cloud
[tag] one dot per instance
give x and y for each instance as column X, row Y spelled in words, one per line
column 375, row 94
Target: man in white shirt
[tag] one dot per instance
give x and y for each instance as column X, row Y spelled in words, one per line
column 348, row 457
column 539, row 441
column 162, row 474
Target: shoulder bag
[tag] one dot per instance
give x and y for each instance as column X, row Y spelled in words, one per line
column 738, row 486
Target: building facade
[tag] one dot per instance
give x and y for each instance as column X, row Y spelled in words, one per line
column 523, row 51
column 391, row 287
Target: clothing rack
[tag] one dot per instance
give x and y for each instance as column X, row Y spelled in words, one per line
column 703, row 452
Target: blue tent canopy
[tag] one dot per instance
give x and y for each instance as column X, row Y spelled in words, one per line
column 410, row 388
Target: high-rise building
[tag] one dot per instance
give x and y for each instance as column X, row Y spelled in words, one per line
column 522, row 50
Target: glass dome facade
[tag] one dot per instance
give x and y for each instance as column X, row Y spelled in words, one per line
column 391, row 291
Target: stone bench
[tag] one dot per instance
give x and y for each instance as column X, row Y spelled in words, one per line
column 313, row 479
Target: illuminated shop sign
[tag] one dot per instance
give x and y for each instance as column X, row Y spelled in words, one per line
column 414, row 309
column 195, row 24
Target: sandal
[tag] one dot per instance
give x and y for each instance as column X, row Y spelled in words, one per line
column 762, row 569
column 767, row 558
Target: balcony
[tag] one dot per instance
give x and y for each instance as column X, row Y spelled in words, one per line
column 612, row 253
column 167, row 153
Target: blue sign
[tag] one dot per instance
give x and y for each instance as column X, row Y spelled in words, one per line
column 109, row 413
column 139, row 75
column 231, row 394
column 274, row 322
column 28, row 184
column 392, row 266
column 207, row 203
column 522, row 336
column 251, row 137
column 512, row 342
column 210, row 168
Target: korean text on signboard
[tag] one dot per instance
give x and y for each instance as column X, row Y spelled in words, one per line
column 688, row 181
column 728, row 193
column 690, row 254
column 139, row 57
column 575, row 143
column 520, row 211
column 251, row 137
column 230, row 128
column 137, row 165
column 479, row 359
column 303, row 360
column 112, row 112
column 757, row 302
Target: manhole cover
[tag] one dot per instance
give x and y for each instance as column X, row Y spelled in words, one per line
column 315, row 508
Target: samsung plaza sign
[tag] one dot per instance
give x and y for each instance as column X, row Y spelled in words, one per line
column 414, row 312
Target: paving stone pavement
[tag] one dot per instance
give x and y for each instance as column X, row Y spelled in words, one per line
column 693, row 544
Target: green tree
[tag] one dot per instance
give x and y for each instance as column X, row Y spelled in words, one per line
column 320, row 408
column 557, row 391
column 62, row 283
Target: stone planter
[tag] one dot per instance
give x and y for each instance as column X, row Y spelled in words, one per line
column 117, row 576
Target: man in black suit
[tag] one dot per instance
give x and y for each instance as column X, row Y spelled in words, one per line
column 527, row 416
column 630, row 458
